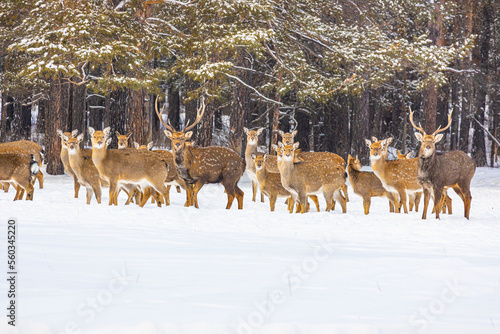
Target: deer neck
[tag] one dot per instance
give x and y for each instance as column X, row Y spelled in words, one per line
column 99, row 157
column 286, row 170
column 183, row 160
column 378, row 166
column 74, row 159
column 250, row 149
column 261, row 176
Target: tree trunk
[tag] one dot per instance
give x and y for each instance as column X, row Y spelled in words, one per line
column 237, row 118
column 206, row 125
column 56, row 117
column 455, row 107
column 137, row 116
column 361, row 126
column 78, row 110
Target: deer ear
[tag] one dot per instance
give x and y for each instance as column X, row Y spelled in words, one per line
column 409, row 155
column 418, row 135
column 254, row 156
column 388, row 141
column 349, row 157
column 294, row 133
column 438, row 137
column 108, row 141
column 118, row 134
column 64, row 137
column 59, row 133
column 274, row 147
column 245, row 130
column 295, row 145
column 265, row 156
column 374, row 139
column 399, row 153
column 281, row 133
column 91, row 130
column 259, row 131
column 168, row 134
column 74, row 133
column 106, row 131
column 150, row 145
column 80, row 137
column 280, row 145
column 368, row 142
column 188, row 135
column 136, row 145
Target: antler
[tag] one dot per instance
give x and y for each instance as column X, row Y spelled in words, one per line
column 199, row 114
column 419, row 127
column 443, row 129
column 168, row 126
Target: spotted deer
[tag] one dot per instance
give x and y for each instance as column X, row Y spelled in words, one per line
column 200, row 165
column 123, row 140
column 28, row 147
column 19, row 169
column 270, row 183
column 311, row 178
column 366, row 184
column 252, row 141
column 438, row 171
column 414, row 198
column 65, row 158
column 119, row 167
column 397, row 176
column 82, row 165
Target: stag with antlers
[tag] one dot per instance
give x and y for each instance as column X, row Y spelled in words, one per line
column 200, row 165
column 439, row 171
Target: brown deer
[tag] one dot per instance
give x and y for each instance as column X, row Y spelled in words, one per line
column 123, row 140
column 437, row 171
column 19, row 169
column 366, row 184
column 82, row 165
column 252, row 141
column 147, row 147
column 414, row 198
column 270, row 183
column 200, row 165
column 28, row 147
column 310, row 178
column 397, row 176
column 65, row 158
column 118, row 167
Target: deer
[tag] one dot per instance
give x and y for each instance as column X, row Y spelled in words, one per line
column 82, row 165
column 270, row 183
column 200, row 165
column 397, row 176
column 123, row 140
column 366, row 184
column 119, row 167
column 20, row 170
column 310, row 178
column 147, row 147
column 252, row 140
column 414, row 198
column 65, row 158
column 29, row 147
column 438, row 171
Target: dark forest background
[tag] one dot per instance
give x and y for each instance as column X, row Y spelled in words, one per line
column 337, row 71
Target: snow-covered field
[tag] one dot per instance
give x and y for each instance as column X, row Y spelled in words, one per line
column 100, row 269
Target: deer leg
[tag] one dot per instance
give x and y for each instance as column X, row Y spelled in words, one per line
column 338, row 195
column 39, row 177
column 427, row 196
column 18, row 192
column 254, row 190
column 239, row 196
column 196, row 188
column 6, row 187
column 29, row 192
column 438, row 204
column 411, row 200
column 77, row 186
column 448, row 203
column 178, row 189
column 272, row 201
column 131, row 195
column 303, row 202
column 146, row 194
column 345, row 193
column 189, row 195
column 366, row 204
column 89, row 194
column 262, row 197
column 402, row 199
column 314, row 198
column 167, row 196
column 112, row 191
column 97, row 192
column 418, row 196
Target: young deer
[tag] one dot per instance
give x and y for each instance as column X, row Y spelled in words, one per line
column 310, row 178
column 200, row 165
column 414, row 198
column 270, row 183
column 437, row 171
column 118, row 167
column 65, row 158
column 147, row 147
column 366, row 184
column 19, row 169
column 82, row 165
column 252, row 141
column 397, row 176
column 28, row 147
column 123, row 140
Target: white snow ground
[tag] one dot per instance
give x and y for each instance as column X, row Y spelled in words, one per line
column 100, row 269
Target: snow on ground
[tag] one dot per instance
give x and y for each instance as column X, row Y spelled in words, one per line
column 100, row 269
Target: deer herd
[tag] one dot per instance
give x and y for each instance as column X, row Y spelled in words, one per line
column 143, row 174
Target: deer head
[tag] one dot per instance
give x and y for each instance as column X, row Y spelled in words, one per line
column 100, row 138
column 406, row 156
column 66, row 134
column 428, row 146
column 179, row 138
column 287, row 137
column 378, row 148
column 123, row 139
column 143, row 147
column 72, row 143
column 253, row 135
column 354, row 163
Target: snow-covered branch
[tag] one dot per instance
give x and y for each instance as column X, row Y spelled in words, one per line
column 252, row 88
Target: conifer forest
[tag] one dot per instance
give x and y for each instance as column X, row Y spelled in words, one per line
column 337, row 71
